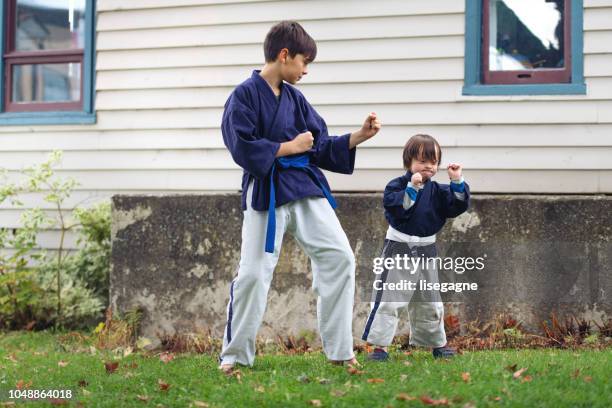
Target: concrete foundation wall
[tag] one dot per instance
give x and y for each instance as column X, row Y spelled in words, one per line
column 175, row 256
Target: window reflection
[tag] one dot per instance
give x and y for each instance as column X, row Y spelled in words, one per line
column 46, row 83
column 526, row 34
column 49, row 24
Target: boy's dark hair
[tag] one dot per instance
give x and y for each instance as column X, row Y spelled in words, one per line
column 423, row 147
column 290, row 35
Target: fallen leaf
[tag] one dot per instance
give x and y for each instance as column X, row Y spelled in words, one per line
column 429, row 401
column 166, row 357
column 85, row 392
column 518, row 373
column 127, row 351
column 23, row 385
column 407, row 363
column 376, row 380
column 576, row 373
column 83, row 383
column 62, row 363
column 260, row 389
column 588, row 378
column 511, row 367
column 143, row 398
column 111, row 366
column 235, row 373
column 303, row 378
column 315, row 403
column 324, row 381
column 465, row 377
column 200, row 404
column 354, row 371
column 403, row 377
column 12, row 358
column 142, row 342
column 163, row 386
column 527, row 378
column 57, row 401
column 337, row 393
column 402, row 396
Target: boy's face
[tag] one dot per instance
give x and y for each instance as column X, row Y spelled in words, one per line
column 427, row 168
column 293, row 69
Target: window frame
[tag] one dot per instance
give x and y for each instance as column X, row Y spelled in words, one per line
column 81, row 112
column 474, row 83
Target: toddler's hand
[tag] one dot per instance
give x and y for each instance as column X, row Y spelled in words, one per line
column 303, row 142
column 417, row 180
column 454, row 171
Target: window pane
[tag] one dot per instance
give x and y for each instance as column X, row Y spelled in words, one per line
column 49, row 24
column 46, row 82
column 525, row 34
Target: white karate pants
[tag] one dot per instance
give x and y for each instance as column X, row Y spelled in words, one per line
column 426, row 317
column 315, row 226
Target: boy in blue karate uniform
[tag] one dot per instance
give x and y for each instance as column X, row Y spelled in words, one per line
column 281, row 142
column 416, row 209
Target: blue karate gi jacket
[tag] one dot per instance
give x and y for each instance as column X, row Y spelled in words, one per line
column 254, row 125
column 434, row 203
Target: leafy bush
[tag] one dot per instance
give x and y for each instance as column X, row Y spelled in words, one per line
column 37, row 289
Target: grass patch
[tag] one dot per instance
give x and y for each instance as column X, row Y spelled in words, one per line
column 553, row 377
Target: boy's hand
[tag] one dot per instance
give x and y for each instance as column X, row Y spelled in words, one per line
column 417, row 180
column 454, row 171
column 303, row 142
column 370, row 127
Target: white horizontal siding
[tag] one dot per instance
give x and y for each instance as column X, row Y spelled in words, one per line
column 535, row 135
column 327, row 94
column 166, row 67
column 272, row 11
column 524, row 158
column 253, row 33
column 116, row 5
column 331, row 51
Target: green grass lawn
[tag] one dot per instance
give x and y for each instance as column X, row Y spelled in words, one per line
column 553, row 378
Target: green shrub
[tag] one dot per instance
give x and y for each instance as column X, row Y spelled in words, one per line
column 38, row 289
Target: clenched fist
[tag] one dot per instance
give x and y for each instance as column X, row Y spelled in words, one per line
column 303, row 142
column 417, row 180
column 454, row 171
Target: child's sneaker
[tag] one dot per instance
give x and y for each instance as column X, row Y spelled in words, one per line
column 443, row 352
column 378, row 355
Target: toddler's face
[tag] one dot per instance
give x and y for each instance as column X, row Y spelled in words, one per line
column 427, row 168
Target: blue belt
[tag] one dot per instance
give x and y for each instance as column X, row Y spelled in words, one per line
column 297, row 162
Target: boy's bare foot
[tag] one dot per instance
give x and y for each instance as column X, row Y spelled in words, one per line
column 226, row 368
column 349, row 363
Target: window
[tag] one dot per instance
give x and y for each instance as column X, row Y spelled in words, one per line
column 47, row 61
column 523, row 47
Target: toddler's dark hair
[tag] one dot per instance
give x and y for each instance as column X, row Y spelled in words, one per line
column 423, row 147
column 290, row 35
